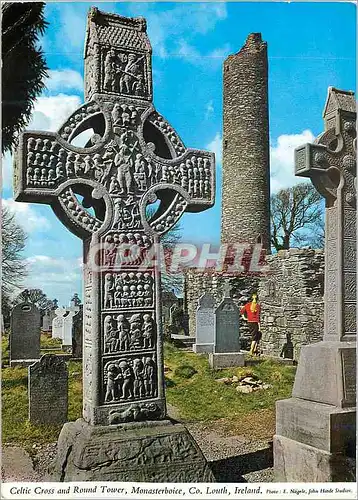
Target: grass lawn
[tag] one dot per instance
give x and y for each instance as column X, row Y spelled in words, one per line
column 201, row 398
column 191, row 389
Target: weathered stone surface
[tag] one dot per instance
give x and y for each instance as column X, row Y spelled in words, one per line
column 246, row 146
column 319, row 425
column 205, row 324
column 291, row 298
column 225, row 360
column 332, row 361
column 156, row 451
column 25, row 332
column 226, row 327
column 299, row 462
column 48, row 390
column 101, row 193
column 325, row 385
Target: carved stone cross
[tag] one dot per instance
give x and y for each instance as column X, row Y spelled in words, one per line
column 331, row 165
column 101, row 191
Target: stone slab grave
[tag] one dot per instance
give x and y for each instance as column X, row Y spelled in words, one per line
column 226, row 351
column 101, row 191
column 316, row 429
column 48, row 390
column 205, row 324
column 24, row 333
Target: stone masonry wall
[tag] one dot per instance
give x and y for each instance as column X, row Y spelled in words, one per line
column 291, row 296
column 246, row 176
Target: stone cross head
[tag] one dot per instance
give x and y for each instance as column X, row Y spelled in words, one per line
column 130, row 157
column 330, row 163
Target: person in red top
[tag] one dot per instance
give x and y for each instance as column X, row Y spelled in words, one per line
column 251, row 312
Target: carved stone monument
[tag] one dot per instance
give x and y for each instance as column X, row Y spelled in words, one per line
column 226, row 343
column 316, row 429
column 133, row 159
column 68, row 326
column 205, row 324
column 58, row 322
column 48, row 390
column 24, row 334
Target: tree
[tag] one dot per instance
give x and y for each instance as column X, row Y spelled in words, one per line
column 37, row 297
column 14, row 268
column 24, row 66
column 297, row 216
column 169, row 281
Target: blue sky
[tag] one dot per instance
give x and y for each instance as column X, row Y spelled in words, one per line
column 310, row 47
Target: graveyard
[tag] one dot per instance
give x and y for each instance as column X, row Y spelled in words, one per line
column 246, row 370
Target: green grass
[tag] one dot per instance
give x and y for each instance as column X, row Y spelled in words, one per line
column 15, row 426
column 190, row 387
column 47, row 342
column 200, row 397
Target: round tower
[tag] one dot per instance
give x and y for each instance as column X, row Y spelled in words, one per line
column 245, row 213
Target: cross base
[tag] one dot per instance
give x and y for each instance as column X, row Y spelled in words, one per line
column 315, row 437
column 297, row 462
column 142, row 452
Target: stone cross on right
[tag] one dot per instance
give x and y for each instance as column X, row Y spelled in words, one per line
column 316, row 429
column 330, row 163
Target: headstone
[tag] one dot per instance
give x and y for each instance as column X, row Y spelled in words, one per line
column 133, row 159
column 226, row 351
column 77, row 334
column 24, row 333
column 227, row 326
column 47, row 322
column 68, row 326
column 58, row 323
column 48, row 390
column 315, row 429
column 205, row 324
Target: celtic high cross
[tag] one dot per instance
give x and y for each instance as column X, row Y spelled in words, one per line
column 101, row 192
column 331, row 165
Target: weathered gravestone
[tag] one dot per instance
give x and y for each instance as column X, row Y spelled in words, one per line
column 205, row 324
column 24, row 333
column 315, row 429
column 133, row 159
column 48, row 390
column 226, row 343
column 58, row 323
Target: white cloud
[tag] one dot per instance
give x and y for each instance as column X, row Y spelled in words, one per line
column 209, row 110
column 27, row 216
column 65, row 79
column 57, row 277
column 215, row 146
column 183, row 21
column 212, row 59
column 282, row 159
column 50, row 112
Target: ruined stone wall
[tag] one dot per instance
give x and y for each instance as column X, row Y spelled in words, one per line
column 246, row 176
column 291, row 297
